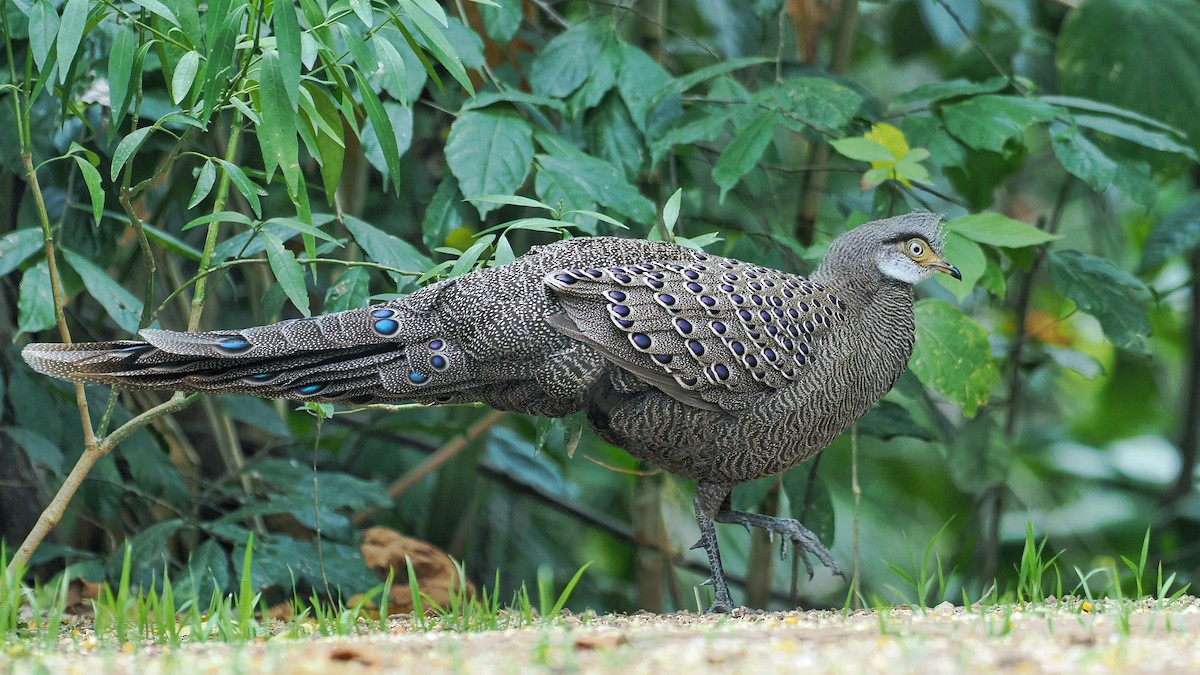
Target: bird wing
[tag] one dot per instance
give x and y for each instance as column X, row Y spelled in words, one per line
column 715, row 333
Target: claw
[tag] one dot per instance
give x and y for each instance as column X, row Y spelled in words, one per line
column 699, row 544
column 783, row 549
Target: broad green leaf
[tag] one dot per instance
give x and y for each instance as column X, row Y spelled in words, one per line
column 297, row 225
column 1177, row 233
column 35, row 302
column 640, row 77
column 693, row 126
column 563, row 189
column 510, row 200
column 351, row 291
column 243, row 184
column 466, row 261
column 387, row 249
column 120, row 305
column 1115, row 297
column 988, row 122
column 219, row 217
column 204, row 183
column 679, row 85
column 484, row 99
column 188, row 13
column 602, row 181
column 171, row 243
column 70, row 34
column 996, row 229
column 980, row 456
column 18, row 246
column 1081, row 158
column 287, row 272
column 126, row 148
column 970, row 261
column 279, row 121
column 567, row 60
column 287, row 43
column 43, row 31
column 1136, row 55
column 434, row 10
column 863, row 150
column 39, row 449
column 612, row 136
column 330, row 144
column 952, row 355
column 91, row 179
column 364, row 12
column 933, row 92
column 744, row 151
column 184, row 76
column 819, row 102
column 501, row 21
column 444, row 215
column 1155, row 140
column 489, row 152
column 383, row 129
column 601, row 79
column 1115, row 111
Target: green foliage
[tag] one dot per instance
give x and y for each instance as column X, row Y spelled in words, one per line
column 270, row 161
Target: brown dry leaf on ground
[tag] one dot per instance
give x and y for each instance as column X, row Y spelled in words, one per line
column 384, row 550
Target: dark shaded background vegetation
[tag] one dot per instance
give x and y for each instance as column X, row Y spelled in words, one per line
column 231, row 164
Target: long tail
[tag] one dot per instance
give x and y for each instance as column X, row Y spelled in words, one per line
column 359, row 356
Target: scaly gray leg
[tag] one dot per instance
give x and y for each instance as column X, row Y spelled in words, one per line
column 709, row 501
column 789, row 530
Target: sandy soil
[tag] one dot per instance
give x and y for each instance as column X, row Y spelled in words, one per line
column 1054, row 637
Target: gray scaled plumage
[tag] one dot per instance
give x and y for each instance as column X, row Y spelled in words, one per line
column 711, row 368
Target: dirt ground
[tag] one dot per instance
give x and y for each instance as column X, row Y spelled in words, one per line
column 1048, row 638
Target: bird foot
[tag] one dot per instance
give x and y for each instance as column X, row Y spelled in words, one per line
column 789, row 530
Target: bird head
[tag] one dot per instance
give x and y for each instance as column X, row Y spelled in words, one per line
column 906, row 248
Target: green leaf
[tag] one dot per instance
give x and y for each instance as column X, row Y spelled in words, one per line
column 980, row 456
column 35, row 302
column 441, row 49
column 279, row 122
column 1102, row 53
column 602, row 181
column 43, row 30
column 70, row 34
column 126, row 148
column 693, row 126
column 863, row 150
column 996, row 229
column 91, row 179
column 1081, row 158
column 184, row 76
column 393, row 71
column 17, row 246
column 970, row 261
column 933, row 92
column 501, row 21
column 287, row 42
column 1177, row 233
column 362, row 9
column 743, row 152
column 383, row 128
column 387, row 249
column 443, row 215
column 489, row 152
column 1154, row 140
column 563, row 189
column 640, row 77
column 39, row 449
column 204, row 183
column 171, row 243
column 287, row 272
column 988, row 122
column 670, row 212
column 434, row 10
column 330, row 144
column 158, row 8
column 243, row 184
column 297, row 225
column 1107, row 292
column 351, row 291
column 952, row 355
column 118, row 303
column 400, row 119
column 222, row 41
column 510, row 200
column 486, row 98
column 681, row 84
column 567, row 60
column 819, row 102
column 612, row 136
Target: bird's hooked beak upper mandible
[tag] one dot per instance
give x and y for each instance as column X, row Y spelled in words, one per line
column 940, row 264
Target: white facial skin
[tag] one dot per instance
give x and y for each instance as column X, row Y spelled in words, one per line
column 900, row 261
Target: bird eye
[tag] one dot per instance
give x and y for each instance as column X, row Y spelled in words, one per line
column 916, row 248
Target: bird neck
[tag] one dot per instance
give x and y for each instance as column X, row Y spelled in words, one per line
column 865, row 285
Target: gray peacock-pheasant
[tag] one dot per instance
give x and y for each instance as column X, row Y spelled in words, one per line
column 711, row 368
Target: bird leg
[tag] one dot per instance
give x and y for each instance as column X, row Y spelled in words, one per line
column 708, row 502
column 789, row 530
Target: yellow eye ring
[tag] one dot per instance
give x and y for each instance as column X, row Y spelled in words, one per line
column 916, row 248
